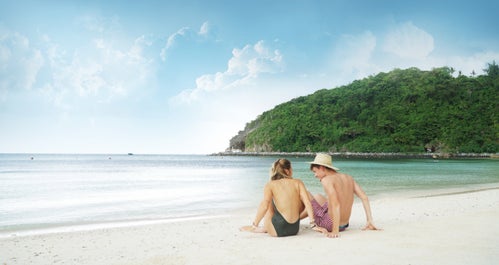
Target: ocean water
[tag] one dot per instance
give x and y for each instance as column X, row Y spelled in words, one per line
column 40, row 192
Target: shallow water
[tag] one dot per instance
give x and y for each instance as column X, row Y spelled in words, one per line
column 41, row 191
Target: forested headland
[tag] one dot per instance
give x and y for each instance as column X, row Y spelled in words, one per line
column 402, row 111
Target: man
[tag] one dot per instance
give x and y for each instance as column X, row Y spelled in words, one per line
column 333, row 213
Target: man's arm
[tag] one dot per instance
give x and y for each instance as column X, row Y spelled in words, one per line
column 367, row 207
column 333, row 205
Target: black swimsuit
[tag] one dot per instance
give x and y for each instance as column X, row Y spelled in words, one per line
column 282, row 227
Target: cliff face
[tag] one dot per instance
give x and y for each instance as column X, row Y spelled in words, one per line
column 238, row 142
column 400, row 111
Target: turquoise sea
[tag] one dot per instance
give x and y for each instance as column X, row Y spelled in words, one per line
column 42, row 192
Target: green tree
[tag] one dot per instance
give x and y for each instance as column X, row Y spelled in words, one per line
column 400, row 111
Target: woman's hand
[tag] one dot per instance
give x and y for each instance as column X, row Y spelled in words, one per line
column 247, row 228
column 253, row 229
column 320, row 229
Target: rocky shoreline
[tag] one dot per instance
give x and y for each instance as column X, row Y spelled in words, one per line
column 367, row 155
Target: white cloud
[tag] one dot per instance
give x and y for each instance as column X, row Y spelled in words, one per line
column 409, row 41
column 352, row 57
column 184, row 32
column 245, row 65
column 83, row 78
column 20, row 63
column 100, row 70
column 466, row 65
column 103, row 73
column 204, row 30
column 171, row 41
column 414, row 47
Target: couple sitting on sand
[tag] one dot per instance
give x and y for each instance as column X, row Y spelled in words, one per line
column 286, row 201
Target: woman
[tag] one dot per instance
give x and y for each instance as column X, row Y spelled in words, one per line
column 284, row 198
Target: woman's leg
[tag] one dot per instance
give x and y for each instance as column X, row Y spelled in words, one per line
column 269, row 227
column 304, row 213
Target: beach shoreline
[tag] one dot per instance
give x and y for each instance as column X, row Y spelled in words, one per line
column 444, row 227
column 365, row 155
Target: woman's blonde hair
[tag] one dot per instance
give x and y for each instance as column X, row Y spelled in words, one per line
column 278, row 169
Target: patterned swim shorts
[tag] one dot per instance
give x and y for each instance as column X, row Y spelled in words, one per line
column 321, row 216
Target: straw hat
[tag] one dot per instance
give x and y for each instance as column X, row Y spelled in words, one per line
column 324, row 160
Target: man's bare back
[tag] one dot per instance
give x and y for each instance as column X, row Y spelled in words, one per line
column 339, row 189
column 343, row 187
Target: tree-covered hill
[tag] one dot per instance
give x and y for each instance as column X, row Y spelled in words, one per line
column 401, row 111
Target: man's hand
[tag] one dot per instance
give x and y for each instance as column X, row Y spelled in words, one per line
column 370, row 226
column 333, row 235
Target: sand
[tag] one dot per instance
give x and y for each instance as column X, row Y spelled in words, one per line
column 443, row 227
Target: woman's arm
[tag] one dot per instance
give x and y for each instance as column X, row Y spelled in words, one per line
column 264, row 205
column 306, row 201
column 260, row 213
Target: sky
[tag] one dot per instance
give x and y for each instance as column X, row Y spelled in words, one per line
column 183, row 77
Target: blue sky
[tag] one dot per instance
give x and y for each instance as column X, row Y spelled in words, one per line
column 183, row 77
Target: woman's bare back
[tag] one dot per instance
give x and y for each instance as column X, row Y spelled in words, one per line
column 286, row 196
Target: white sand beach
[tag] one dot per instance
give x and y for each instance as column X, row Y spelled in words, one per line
column 444, row 227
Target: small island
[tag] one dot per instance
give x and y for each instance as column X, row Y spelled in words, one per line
column 402, row 113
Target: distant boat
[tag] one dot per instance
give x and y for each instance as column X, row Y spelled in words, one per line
column 130, row 154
